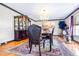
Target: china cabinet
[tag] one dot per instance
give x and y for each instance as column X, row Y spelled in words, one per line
column 21, row 24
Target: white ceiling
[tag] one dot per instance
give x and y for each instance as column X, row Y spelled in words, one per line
column 52, row 10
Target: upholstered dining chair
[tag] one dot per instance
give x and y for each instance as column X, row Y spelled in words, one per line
column 34, row 33
column 63, row 26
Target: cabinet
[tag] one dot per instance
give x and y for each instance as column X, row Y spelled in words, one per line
column 21, row 24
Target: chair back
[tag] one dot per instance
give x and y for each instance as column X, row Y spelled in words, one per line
column 34, row 32
column 52, row 31
column 62, row 25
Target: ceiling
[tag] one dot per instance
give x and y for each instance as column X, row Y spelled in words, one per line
column 40, row 11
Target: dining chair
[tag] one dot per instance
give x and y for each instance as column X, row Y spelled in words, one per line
column 34, row 34
column 63, row 26
column 50, row 37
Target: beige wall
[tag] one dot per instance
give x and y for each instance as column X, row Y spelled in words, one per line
column 6, row 24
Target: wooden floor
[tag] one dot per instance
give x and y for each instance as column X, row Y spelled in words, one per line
column 6, row 46
column 73, row 46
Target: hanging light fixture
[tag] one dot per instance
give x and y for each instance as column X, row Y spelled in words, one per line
column 44, row 14
column 45, row 23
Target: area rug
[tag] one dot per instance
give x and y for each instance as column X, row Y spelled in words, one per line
column 23, row 50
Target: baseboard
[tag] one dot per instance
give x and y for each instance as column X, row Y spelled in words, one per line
column 6, row 42
column 76, row 41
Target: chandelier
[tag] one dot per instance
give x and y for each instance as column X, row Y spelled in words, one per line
column 46, row 25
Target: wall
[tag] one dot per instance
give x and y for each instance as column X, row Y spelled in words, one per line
column 75, row 27
column 6, row 24
column 57, row 31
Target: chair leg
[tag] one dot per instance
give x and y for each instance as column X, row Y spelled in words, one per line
column 44, row 44
column 50, row 44
column 67, row 38
column 39, row 50
column 52, row 41
column 35, row 45
column 29, row 43
column 30, row 48
column 66, row 34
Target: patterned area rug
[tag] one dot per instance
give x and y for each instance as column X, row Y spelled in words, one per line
column 58, row 49
column 23, row 50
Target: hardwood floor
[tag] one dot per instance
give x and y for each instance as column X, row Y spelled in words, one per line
column 5, row 47
column 72, row 46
